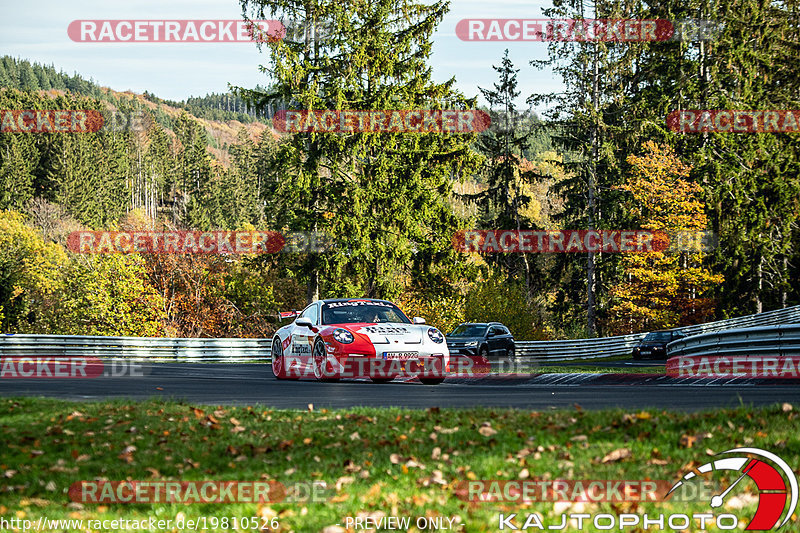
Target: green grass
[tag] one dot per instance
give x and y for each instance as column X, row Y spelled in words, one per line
column 396, row 461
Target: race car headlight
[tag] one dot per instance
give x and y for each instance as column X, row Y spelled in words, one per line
column 435, row 335
column 343, row 336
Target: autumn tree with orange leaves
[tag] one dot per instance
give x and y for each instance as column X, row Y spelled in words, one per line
column 662, row 289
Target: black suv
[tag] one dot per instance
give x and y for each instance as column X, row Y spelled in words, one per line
column 654, row 345
column 483, row 339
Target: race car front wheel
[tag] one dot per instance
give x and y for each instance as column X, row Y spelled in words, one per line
column 324, row 369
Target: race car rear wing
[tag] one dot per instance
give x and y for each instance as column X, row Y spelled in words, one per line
column 288, row 314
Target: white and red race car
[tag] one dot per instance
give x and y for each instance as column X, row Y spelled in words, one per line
column 358, row 338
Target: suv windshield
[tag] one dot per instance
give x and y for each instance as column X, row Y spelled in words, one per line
column 469, row 330
column 658, row 336
column 362, row 311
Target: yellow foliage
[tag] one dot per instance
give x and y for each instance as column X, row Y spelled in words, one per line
column 662, row 290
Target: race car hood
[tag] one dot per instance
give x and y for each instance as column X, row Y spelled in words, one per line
column 389, row 332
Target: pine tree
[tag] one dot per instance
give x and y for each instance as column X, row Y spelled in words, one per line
column 27, row 77
column 750, row 180
column 383, row 196
column 593, row 134
column 503, row 203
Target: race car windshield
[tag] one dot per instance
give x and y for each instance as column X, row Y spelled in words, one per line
column 469, row 330
column 356, row 312
column 658, row 336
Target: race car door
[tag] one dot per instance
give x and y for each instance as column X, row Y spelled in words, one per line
column 303, row 337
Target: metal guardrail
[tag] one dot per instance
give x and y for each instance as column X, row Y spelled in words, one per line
column 258, row 350
column 623, row 345
column 138, row 348
column 776, row 341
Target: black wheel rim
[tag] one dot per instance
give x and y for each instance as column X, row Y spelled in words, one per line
column 277, row 357
column 319, row 360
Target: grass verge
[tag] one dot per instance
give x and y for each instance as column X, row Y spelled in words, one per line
column 391, row 462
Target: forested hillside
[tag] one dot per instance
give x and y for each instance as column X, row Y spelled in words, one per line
column 26, row 76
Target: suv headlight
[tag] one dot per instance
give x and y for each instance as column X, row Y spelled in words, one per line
column 435, row 335
column 342, row 336
column 471, row 344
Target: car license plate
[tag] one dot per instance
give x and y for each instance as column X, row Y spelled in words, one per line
column 646, row 352
column 401, row 355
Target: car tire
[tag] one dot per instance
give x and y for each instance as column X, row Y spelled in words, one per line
column 381, row 380
column 319, row 358
column 511, row 353
column 431, row 381
column 278, row 360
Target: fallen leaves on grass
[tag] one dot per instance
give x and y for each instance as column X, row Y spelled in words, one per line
column 689, row 441
column 237, row 429
column 487, row 430
column 617, row 455
column 127, row 454
column 344, row 480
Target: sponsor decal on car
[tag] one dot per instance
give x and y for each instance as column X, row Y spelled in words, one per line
column 301, row 349
column 352, row 303
column 385, row 330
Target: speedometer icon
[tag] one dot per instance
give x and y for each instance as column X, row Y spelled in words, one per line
column 776, row 484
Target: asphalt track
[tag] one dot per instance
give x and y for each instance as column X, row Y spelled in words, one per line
column 250, row 384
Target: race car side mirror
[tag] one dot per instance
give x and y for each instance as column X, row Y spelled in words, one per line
column 418, row 320
column 304, row 322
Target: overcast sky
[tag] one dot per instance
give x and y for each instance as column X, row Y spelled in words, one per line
column 38, row 31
